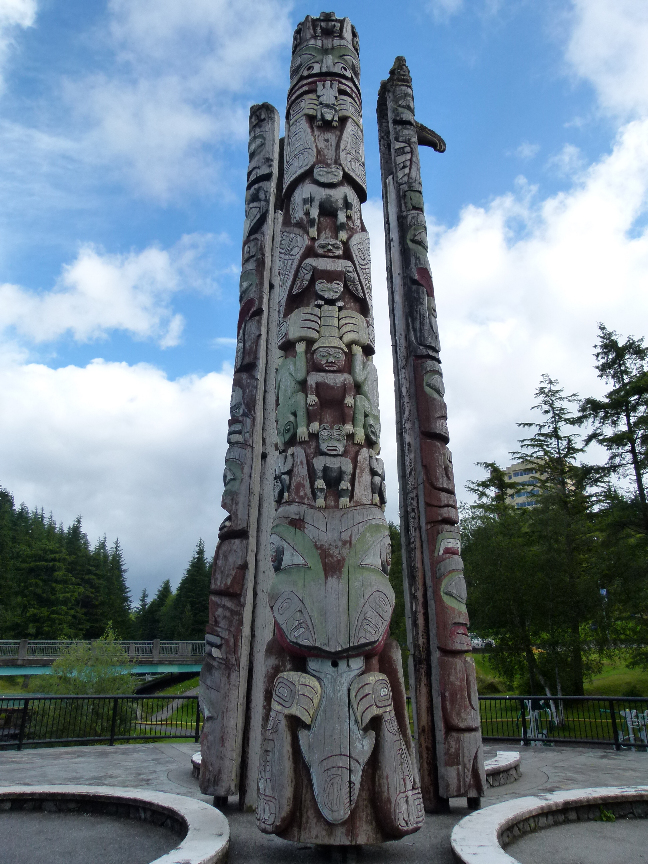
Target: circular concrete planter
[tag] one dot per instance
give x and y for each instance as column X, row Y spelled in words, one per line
column 503, row 768
column 204, row 829
column 479, row 838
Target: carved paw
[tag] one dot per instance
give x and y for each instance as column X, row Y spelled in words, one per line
column 349, row 401
column 302, row 434
column 344, row 503
column 375, row 499
column 348, row 428
column 356, row 349
column 320, row 503
column 358, row 435
column 314, row 428
column 311, row 401
column 300, row 346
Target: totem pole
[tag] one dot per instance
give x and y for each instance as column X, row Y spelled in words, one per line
column 337, row 765
column 224, row 679
column 442, row 671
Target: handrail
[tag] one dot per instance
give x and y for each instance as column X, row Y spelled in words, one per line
column 53, row 648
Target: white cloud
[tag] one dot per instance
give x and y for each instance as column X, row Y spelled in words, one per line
column 444, row 9
column 566, row 162
column 178, row 85
column 608, row 47
column 527, row 151
column 14, row 14
column 99, row 293
column 138, row 456
column 514, row 304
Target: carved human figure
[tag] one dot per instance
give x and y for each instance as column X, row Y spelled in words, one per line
column 332, row 468
column 291, row 399
column 329, row 385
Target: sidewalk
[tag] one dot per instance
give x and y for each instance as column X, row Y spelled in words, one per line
column 166, row 767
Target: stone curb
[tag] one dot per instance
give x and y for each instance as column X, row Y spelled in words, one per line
column 478, row 839
column 503, row 768
column 207, row 838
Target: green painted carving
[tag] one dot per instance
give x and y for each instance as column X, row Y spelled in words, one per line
column 299, row 600
column 291, row 408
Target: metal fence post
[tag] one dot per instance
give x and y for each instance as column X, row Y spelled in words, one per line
column 113, row 721
column 525, row 740
column 615, row 728
column 23, row 723
column 197, row 729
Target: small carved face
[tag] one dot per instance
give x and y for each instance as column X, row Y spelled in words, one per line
column 329, row 247
column 372, row 428
column 329, row 359
column 328, row 290
column 332, row 439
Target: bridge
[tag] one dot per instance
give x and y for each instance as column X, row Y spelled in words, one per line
column 27, row 657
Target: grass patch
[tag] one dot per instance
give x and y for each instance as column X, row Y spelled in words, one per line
column 179, row 689
column 616, row 679
column 12, row 685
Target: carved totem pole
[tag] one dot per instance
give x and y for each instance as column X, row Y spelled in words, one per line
column 442, row 671
column 224, row 679
column 336, row 765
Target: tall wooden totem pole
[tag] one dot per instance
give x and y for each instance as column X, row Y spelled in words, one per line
column 442, row 670
column 300, row 676
column 336, row 765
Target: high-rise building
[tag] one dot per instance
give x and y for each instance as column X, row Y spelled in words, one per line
column 527, row 477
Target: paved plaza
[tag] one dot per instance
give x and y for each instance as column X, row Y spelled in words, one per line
column 166, row 767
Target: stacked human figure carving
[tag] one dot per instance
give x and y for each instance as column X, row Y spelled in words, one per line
column 337, row 764
column 446, row 702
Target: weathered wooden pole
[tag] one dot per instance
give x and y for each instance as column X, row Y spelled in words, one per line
column 226, row 675
column 442, row 671
column 337, row 764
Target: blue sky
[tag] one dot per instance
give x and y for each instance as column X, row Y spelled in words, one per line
column 122, row 170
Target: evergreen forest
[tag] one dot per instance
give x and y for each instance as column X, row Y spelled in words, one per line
column 55, row 585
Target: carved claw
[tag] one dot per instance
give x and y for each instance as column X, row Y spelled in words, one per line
column 375, row 499
column 356, row 349
column 319, row 502
column 302, row 434
column 311, row 401
column 349, row 401
column 344, row 503
column 313, row 428
column 348, row 428
column 358, row 435
column 300, row 346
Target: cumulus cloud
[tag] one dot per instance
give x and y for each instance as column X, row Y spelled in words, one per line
column 138, row 456
column 176, row 90
column 99, row 293
column 14, row 16
column 607, row 46
column 521, row 285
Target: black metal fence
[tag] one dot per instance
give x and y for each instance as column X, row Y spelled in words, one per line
column 619, row 721
column 35, row 721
